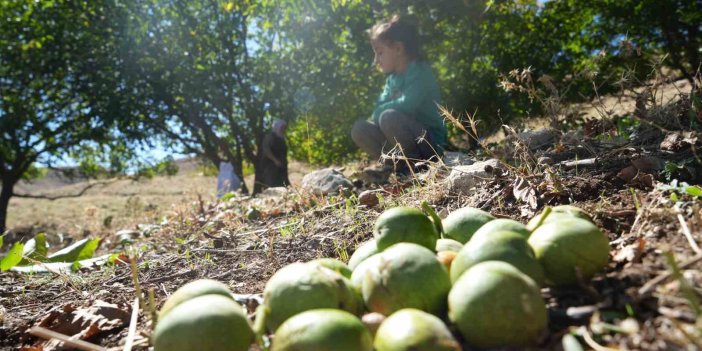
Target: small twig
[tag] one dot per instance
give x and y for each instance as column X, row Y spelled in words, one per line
column 66, row 279
column 587, row 162
column 488, row 202
column 261, row 231
column 78, row 194
column 592, row 343
column 685, row 316
column 132, row 326
column 688, row 234
column 152, row 308
column 187, row 274
column 682, row 330
column 315, row 210
column 135, row 278
column 664, row 276
column 49, row 334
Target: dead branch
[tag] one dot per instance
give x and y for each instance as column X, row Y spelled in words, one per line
column 648, row 287
column 688, row 234
column 56, row 197
column 67, row 341
column 588, row 162
column 129, row 341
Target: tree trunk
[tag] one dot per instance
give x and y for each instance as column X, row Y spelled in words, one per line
column 5, row 195
column 257, row 188
column 239, row 166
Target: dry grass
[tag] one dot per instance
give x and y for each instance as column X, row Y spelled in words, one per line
column 607, row 106
column 121, row 204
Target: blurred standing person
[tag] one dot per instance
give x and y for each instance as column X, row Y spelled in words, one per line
column 273, row 158
column 227, row 180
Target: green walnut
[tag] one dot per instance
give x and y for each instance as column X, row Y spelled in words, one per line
column 323, row 330
column 207, row 322
column 404, row 225
column 570, row 250
column 414, row 330
column 460, row 224
column 495, row 305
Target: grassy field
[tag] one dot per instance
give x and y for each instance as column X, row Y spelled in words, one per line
column 119, row 204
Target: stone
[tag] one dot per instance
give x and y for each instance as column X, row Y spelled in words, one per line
column 278, row 191
column 463, row 178
column 377, row 175
column 325, row 181
column 537, row 139
column 127, row 236
column 368, row 198
column 147, row 228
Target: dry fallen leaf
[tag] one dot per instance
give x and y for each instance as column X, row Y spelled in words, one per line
column 631, row 252
column 82, row 322
column 523, row 191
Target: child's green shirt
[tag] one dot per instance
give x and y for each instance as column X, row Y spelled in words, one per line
column 415, row 92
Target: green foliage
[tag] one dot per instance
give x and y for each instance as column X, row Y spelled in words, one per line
column 59, row 87
column 34, row 172
column 13, row 257
column 665, row 28
column 208, row 169
column 626, row 125
column 228, row 196
column 248, row 169
column 35, row 249
column 315, row 143
column 23, row 256
column 80, row 250
column 165, row 167
column 683, row 169
column 678, row 188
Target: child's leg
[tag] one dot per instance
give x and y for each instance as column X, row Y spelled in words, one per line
column 408, row 132
column 368, row 137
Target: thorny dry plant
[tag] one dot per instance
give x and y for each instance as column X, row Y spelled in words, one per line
column 550, row 97
column 526, row 160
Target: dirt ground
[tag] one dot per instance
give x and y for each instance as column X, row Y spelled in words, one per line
column 119, row 203
column 647, row 298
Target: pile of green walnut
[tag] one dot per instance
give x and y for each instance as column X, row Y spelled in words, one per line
column 421, row 283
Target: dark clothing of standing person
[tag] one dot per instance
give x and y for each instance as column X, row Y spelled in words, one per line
column 273, row 158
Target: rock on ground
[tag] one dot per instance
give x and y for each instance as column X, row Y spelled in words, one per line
column 325, row 181
column 463, row 178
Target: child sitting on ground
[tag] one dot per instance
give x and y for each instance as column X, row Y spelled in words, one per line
column 406, row 112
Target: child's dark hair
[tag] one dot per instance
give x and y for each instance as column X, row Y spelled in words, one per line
column 397, row 30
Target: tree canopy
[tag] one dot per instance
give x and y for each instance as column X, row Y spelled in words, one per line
column 60, row 89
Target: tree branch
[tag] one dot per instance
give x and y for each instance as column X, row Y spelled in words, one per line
column 56, row 197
